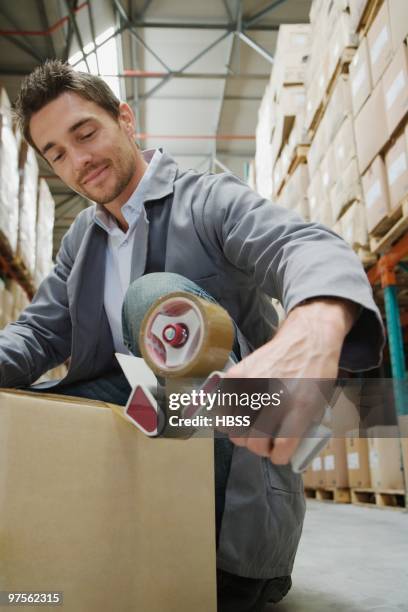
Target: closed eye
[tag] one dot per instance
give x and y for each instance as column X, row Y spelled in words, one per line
column 57, row 158
column 88, row 135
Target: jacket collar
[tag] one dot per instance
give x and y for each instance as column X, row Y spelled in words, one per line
column 161, row 183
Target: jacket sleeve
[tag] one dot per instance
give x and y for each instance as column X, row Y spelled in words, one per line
column 41, row 338
column 292, row 260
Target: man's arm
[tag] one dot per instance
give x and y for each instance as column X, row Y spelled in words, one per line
column 332, row 318
column 293, row 261
column 41, row 338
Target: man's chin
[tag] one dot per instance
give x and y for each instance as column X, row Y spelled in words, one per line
column 100, row 196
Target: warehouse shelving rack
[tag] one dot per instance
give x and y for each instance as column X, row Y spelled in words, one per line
column 384, row 271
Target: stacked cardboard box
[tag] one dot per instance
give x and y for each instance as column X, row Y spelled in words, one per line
column 263, row 154
column 357, row 461
column 355, row 77
column 44, row 232
column 385, row 459
column 380, row 98
column 335, row 463
column 9, row 177
column 287, row 93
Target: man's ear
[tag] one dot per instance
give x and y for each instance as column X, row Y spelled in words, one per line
column 127, row 119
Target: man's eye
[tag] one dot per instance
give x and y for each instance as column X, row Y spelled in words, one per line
column 88, row 135
column 57, row 158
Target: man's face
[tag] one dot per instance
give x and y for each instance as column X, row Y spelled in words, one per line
column 90, row 151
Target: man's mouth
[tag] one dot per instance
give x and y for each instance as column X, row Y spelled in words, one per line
column 95, row 175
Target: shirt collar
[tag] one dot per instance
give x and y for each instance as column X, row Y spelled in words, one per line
column 156, row 183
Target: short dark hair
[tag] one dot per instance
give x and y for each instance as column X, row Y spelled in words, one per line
column 53, row 78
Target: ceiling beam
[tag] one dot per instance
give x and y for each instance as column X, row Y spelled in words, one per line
column 72, row 18
column 205, row 25
column 15, row 72
column 25, row 46
column 256, row 47
column 128, row 23
column 46, row 26
column 248, row 23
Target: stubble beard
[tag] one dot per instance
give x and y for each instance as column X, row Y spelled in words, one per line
column 124, row 170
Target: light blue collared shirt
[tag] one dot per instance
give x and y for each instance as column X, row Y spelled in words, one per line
column 120, row 248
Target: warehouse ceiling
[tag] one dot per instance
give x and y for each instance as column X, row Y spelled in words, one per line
column 193, row 71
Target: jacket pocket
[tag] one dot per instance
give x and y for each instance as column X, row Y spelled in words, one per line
column 281, row 477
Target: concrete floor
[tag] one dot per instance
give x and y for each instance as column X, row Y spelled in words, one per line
column 350, row 559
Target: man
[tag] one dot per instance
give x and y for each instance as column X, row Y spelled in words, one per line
column 208, row 233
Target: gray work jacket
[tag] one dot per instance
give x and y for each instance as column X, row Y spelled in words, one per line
column 243, row 250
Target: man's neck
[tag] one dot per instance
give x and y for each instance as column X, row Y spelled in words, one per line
column 115, row 207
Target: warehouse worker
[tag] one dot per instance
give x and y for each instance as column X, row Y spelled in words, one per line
column 211, row 234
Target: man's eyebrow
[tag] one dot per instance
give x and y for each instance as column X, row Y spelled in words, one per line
column 73, row 127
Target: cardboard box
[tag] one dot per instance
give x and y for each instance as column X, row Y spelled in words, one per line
column 396, row 161
column 9, row 177
column 313, row 195
column 361, row 82
column 344, row 146
column 385, row 459
column 317, row 151
column 357, row 8
column 26, row 248
column 45, row 226
column 395, row 84
column 318, row 476
column 335, row 463
column 346, row 190
column 354, row 225
column 370, row 141
column 376, row 195
column 357, row 462
column 316, row 90
column 398, row 13
column 328, row 171
column 92, row 507
column 295, row 190
column 380, row 43
column 403, row 427
column 292, row 51
column 342, row 38
column 293, row 38
column 339, row 107
column 308, row 478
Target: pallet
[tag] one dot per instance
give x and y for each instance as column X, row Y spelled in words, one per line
column 390, row 228
column 367, row 258
column 337, row 495
column 300, row 157
column 391, row 499
column 368, row 16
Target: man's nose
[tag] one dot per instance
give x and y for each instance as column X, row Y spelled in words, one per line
column 80, row 159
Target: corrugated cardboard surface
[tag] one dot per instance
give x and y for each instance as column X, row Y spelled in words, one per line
column 385, row 458
column 335, row 463
column 395, row 84
column 396, row 162
column 376, row 193
column 403, row 425
column 357, row 462
column 369, row 141
column 380, row 43
column 91, row 507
